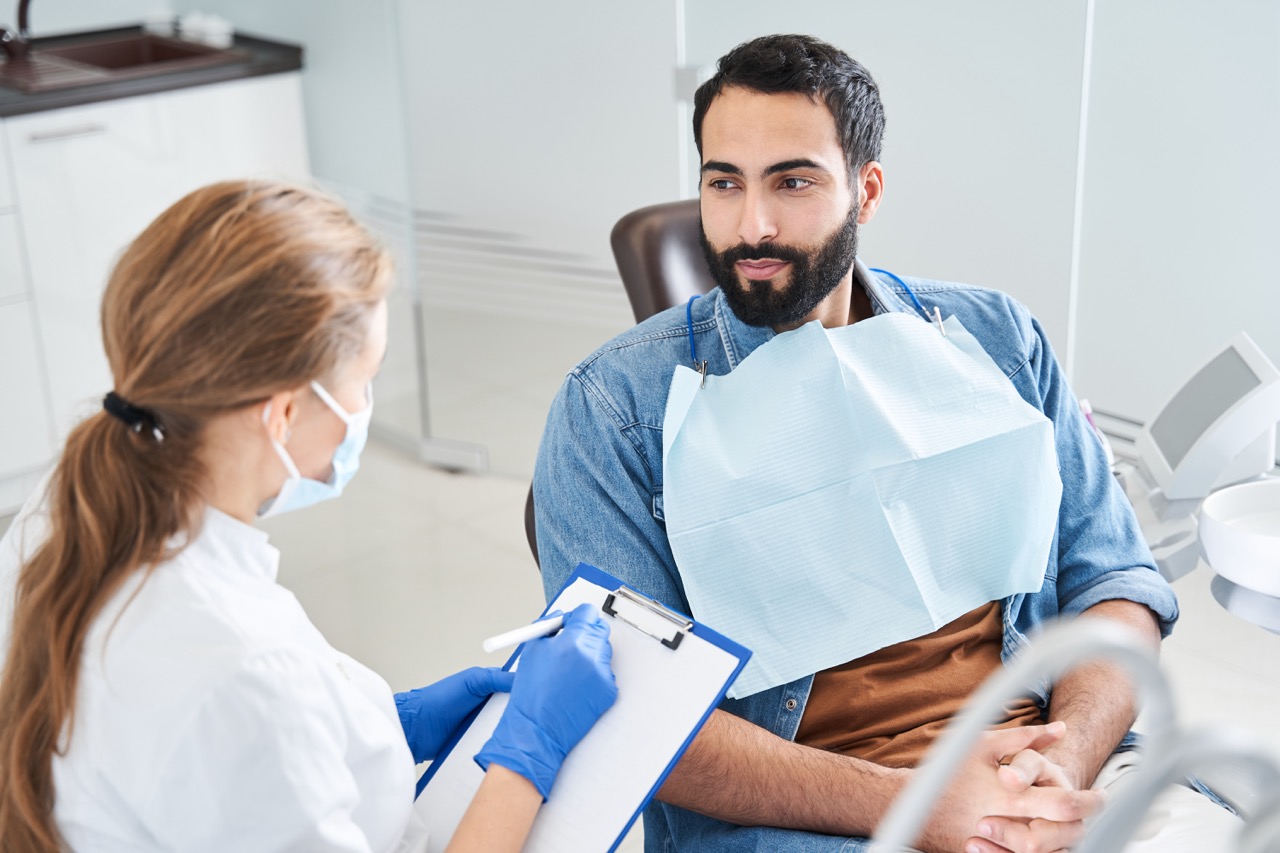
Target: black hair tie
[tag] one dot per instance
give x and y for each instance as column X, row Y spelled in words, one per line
column 134, row 417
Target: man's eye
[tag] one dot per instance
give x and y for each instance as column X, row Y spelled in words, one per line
column 796, row 183
column 720, row 184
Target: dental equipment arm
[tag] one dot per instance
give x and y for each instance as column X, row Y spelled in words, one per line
column 1195, row 750
column 1058, row 650
column 1262, row 833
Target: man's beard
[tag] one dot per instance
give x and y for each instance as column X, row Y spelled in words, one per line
column 814, row 274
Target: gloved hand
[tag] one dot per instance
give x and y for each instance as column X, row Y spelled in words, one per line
column 563, row 685
column 430, row 714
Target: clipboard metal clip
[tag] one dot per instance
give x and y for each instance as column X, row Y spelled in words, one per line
column 650, row 606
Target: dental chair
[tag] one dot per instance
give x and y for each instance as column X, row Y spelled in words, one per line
column 661, row 265
column 659, row 256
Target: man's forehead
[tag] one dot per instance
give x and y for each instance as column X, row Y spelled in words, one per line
column 742, row 124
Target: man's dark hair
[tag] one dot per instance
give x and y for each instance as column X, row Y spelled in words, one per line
column 803, row 64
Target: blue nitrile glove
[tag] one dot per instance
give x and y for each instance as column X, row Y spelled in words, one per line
column 430, row 714
column 563, row 685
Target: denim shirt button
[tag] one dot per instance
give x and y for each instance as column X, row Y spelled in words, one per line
column 791, row 704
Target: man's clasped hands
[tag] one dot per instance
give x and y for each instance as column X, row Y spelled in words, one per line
column 1010, row 797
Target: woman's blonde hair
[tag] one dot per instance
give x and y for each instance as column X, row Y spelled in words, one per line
column 240, row 290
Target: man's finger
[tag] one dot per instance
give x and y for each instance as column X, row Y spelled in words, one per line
column 1029, row 768
column 1008, row 742
column 982, row 845
column 1018, row 835
column 1056, row 804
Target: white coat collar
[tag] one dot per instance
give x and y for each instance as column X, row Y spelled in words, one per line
column 239, row 547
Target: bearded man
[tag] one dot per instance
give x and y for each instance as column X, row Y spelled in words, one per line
column 824, row 487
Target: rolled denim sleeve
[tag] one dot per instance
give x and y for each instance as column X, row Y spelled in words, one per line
column 1102, row 554
column 594, row 495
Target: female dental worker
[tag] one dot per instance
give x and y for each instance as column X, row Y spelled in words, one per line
column 160, row 691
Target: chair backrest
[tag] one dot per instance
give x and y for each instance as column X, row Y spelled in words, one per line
column 659, row 256
column 661, row 265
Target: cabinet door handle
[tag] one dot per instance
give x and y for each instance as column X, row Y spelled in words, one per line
column 68, row 133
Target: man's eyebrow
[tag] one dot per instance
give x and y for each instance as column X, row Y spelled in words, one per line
column 720, row 166
column 784, row 166
column 788, row 165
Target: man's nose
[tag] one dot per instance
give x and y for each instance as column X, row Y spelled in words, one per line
column 756, row 222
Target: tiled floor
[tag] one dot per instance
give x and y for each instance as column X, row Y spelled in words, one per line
column 414, row 566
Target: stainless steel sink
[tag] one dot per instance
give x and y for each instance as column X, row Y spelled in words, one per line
column 103, row 60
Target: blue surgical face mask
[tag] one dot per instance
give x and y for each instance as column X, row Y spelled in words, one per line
column 299, row 491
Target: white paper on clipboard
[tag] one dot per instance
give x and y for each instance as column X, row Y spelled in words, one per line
column 664, row 695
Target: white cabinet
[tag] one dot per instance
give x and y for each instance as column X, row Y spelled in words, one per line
column 246, row 129
column 24, row 428
column 88, row 179
column 6, row 188
column 13, row 274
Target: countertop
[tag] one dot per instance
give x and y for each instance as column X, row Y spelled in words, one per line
column 265, row 57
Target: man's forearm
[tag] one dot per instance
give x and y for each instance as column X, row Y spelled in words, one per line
column 1097, row 700
column 738, row 772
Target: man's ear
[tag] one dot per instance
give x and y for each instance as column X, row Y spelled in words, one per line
column 870, row 190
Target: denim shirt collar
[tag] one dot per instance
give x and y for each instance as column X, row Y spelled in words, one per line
column 740, row 339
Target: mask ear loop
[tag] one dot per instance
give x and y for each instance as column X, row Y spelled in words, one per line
column 700, row 366
column 291, row 469
column 329, row 400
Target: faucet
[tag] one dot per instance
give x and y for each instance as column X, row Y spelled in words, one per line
column 17, row 45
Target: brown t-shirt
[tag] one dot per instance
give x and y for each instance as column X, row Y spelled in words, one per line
column 889, row 706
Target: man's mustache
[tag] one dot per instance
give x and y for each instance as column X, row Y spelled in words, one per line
column 762, row 252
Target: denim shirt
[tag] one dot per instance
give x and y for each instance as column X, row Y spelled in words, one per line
column 598, row 484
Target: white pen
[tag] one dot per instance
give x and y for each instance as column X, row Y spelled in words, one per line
column 523, row 634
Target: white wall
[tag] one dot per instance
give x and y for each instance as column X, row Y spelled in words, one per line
column 50, row 17
column 982, row 102
column 551, row 118
column 1180, row 246
column 534, row 127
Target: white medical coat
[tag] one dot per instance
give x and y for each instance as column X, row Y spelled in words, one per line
column 211, row 715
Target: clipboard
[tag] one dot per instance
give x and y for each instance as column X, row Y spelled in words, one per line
column 672, row 673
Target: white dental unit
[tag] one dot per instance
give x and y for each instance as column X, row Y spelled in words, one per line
column 1200, row 480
